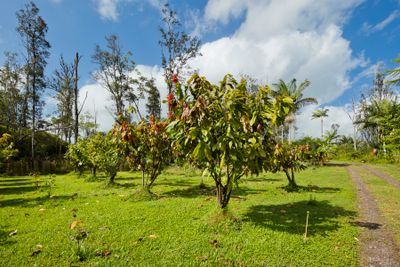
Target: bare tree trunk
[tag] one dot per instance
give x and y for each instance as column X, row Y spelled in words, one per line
column 76, row 122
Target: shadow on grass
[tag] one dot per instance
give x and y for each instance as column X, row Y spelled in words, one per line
column 336, row 164
column 205, row 190
column 6, row 180
column 191, row 192
column 261, row 179
column 4, row 184
column 122, row 185
column 171, row 182
column 311, row 188
column 368, row 225
column 291, row 217
column 5, row 238
column 31, row 202
column 17, row 190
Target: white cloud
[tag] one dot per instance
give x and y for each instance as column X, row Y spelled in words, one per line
column 312, row 127
column 368, row 28
column 282, row 39
column 108, row 9
column 98, row 101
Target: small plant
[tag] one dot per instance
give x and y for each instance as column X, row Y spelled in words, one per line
column 49, row 184
column 79, row 234
column 36, row 179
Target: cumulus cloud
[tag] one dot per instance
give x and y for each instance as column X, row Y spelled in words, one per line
column 368, row 28
column 312, row 127
column 282, row 39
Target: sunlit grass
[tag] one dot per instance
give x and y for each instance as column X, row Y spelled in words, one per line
column 181, row 224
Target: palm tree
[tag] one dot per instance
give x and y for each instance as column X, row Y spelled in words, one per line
column 395, row 74
column 296, row 93
column 321, row 113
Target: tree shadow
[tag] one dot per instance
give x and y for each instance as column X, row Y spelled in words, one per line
column 368, row 225
column 311, row 188
column 17, row 183
column 17, row 190
column 336, row 164
column 31, row 202
column 6, row 180
column 191, row 192
column 291, row 217
column 260, row 179
column 171, row 182
column 124, row 185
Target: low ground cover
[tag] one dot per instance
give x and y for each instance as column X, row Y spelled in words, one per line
column 180, row 224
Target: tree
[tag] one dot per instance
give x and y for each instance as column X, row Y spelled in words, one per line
column 76, row 95
column 226, row 130
column 290, row 159
column 148, row 147
column 10, row 94
column 6, row 148
column 153, row 105
column 177, row 47
column 115, row 74
column 105, row 154
column 62, row 83
column 33, row 30
column 321, row 114
column 394, row 75
column 296, row 93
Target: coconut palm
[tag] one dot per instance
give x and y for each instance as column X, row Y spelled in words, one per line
column 320, row 114
column 296, row 93
column 394, row 75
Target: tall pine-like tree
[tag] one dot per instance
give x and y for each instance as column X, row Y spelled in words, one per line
column 33, row 30
column 177, row 47
column 153, row 105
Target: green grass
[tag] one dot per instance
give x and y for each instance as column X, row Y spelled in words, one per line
column 180, row 224
column 387, row 196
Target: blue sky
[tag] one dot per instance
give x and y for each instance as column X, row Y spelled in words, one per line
column 336, row 44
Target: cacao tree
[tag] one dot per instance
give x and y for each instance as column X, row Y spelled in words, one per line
column 225, row 129
column 147, row 147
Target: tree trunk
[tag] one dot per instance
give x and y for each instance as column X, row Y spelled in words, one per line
column 112, row 178
column 94, row 171
column 33, row 123
column 322, row 127
column 143, row 179
column 76, row 122
column 223, row 195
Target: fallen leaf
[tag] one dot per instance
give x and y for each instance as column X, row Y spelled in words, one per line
column 152, row 236
column 13, row 233
column 39, row 246
column 203, row 258
column 283, row 211
column 73, row 224
column 42, row 209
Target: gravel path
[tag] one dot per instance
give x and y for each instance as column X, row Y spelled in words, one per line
column 389, row 179
column 377, row 245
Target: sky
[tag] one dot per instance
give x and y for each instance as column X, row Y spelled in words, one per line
column 336, row 44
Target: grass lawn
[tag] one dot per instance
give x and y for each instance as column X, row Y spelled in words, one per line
column 387, row 196
column 182, row 225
